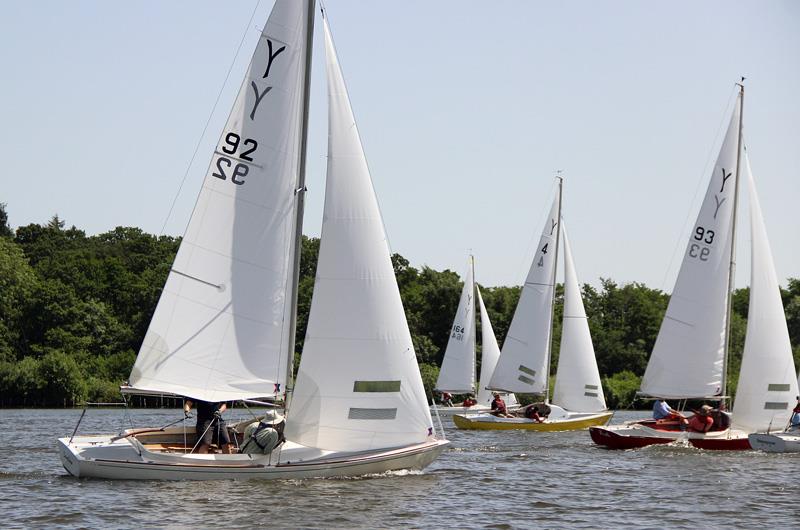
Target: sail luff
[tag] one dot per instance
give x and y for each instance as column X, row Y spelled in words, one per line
column 300, row 206
column 732, row 267
column 548, row 360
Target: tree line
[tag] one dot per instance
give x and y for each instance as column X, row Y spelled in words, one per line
column 75, row 308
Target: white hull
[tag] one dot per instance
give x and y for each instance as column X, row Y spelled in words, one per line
column 776, row 443
column 103, row 456
column 452, row 411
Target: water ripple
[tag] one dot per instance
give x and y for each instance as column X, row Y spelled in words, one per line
column 499, row 480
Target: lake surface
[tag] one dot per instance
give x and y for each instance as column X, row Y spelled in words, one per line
column 502, row 479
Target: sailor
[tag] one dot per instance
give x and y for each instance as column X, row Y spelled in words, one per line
column 532, row 413
column 469, row 401
column 795, row 421
column 702, row 420
column 447, row 399
column 499, row 407
column 662, row 411
column 210, row 422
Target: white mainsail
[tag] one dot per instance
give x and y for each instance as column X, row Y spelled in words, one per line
column 578, row 386
column 522, row 366
column 767, row 381
column 687, row 359
column 458, row 366
column 358, row 386
column 221, row 328
column 490, row 353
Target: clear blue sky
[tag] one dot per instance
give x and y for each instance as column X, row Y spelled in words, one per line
column 466, row 110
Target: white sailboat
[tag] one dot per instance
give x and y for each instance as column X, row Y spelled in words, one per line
column 767, row 378
column 523, row 367
column 224, row 326
column 690, row 357
column 457, row 375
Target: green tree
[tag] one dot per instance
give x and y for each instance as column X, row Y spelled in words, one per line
column 63, row 383
column 624, row 322
column 17, row 284
column 5, row 228
column 620, row 389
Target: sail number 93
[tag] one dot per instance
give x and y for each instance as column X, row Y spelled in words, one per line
column 700, row 250
column 232, row 144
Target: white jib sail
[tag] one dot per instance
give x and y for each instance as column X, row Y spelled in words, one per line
column 220, row 329
column 578, row 386
column 358, row 386
column 522, row 366
column 490, row 353
column 458, row 366
column 767, row 380
column 688, row 354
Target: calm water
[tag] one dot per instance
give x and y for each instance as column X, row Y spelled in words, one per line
column 486, row 480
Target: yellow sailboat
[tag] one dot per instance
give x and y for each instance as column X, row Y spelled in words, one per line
column 524, row 364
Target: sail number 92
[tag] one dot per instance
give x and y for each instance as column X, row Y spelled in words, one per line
column 233, row 143
column 700, row 250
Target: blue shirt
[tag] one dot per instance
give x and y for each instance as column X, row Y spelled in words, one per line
column 660, row 410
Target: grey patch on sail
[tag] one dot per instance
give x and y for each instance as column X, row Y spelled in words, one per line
column 778, row 387
column 527, row 370
column 376, row 386
column 590, row 387
column 590, row 394
column 526, row 380
column 371, row 414
column 775, row 405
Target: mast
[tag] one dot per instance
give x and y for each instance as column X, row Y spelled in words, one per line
column 300, row 197
column 553, row 300
column 732, row 267
column 476, row 379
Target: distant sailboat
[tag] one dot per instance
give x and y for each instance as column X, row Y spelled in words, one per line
column 523, row 367
column 457, row 375
column 690, row 357
column 224, row 326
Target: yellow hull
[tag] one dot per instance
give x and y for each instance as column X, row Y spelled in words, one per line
column 464, row 422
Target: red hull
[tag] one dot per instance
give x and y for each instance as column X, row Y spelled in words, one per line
column 612, row 440
column 721, row 444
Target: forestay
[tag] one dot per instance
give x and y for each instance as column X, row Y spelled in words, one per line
column 522, row 366
column 767, row 381
column 358, row 385
column 458, row 367
column 578, row 386
column 220, row 329
column 490, row 353
column 687, row 359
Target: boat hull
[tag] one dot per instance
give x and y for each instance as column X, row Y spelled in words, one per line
column 615, row 440
column 729, row 440
column 100, row 457
column 775, row 443
column 452, row 411
column 633, row 435
column 486, row 422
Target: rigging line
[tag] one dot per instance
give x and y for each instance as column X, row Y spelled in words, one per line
column 208, row 121
column 700, row 181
